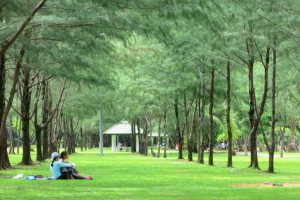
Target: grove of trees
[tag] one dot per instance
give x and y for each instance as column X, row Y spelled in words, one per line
column 198, row 72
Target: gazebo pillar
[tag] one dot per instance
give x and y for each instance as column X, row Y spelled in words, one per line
column 137, row 144
column 113, row 142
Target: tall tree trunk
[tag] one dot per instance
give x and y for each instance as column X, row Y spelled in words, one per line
column 11, row 137
column 19, row 135
column 253, row 133
column 159, row 138
column 229, row 132
column 4, row 110
column 165, row 133
column 292, row 146
column 145, row 138
column 193, row 130
column 38, row 133
column 201, row 122
column 45, row 115
column 139, row 135
column 211, row 119
column 25, row 110
column 49, row 125
column 272, row 147
column 133, row 138
column 177, row 130
column 151, row 138
column 188, row 130
column 256, row 122
column 4, row 160
column 81, row 140
column 38, row 129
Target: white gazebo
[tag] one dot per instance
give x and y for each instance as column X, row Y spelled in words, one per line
column 122, row 128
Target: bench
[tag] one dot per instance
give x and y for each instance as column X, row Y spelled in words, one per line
column 123, row 149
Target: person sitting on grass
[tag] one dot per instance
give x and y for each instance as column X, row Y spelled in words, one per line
column 56, row 166
column 74, row 173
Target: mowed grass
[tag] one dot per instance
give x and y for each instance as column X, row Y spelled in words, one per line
column 123, row 175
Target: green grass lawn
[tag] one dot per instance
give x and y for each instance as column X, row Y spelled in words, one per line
column 123, row 175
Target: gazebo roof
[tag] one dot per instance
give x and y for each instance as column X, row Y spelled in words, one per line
column 122, row 128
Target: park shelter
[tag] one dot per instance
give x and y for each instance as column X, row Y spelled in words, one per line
column 122, row 128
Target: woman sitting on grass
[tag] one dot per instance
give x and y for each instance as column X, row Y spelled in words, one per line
column 74, row 173
column 56, row 166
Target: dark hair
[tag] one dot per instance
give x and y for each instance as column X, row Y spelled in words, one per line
column 63, row 153
column 53, row 161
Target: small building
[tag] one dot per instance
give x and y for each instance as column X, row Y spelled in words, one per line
column 121, row 133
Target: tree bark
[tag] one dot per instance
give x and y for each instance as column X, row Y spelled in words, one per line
column 25, row 109
column 253, row 133
column 177, row 130
column 4, row 110
column 165, row 133
column 4, row 160
column 151, row 138
column 272, row 147
column 159, row 137
column 229, row 132
column 133, row 138
column 256, row 122
column 38, row 138
column 202, row 123
column 188, row 130
column 211, row 119
column 81, row 139
column 45, row 115
column 145, row 138
column 11, row 137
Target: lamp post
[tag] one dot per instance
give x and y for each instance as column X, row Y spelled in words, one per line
column 100, row 127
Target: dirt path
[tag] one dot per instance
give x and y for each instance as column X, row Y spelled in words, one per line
column 267, row 185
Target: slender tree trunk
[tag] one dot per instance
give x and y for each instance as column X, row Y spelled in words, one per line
column 45, row 115
column 159, row 138
column 292, row 146
column 139, row 135
column 281, row 141
column 38, row 133
column 229, row 132
column 19, row 135
column 256, row 122
column 25, row 110
column 177, row 130
column 11, row 137
column 151, row 138
column 4, row 110
column 194, row 127
column 211, row 128
column 81, row 140
column 4, row 160
column 165, row 133
column 49, row 125
column 145, row 138
column 272, row 147
column 253, row 133
column 188, row 130
column 202, row 123
column 38, row 129
column 133, row 138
